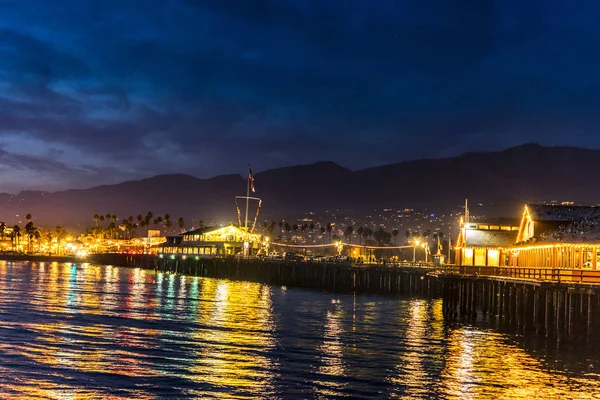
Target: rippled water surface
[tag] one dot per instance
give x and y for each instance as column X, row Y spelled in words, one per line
column 84, row 331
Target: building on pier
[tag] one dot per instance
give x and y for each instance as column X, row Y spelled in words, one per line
column 558, row 236
column 210, row 241
column 542, row 221
column 486, row 243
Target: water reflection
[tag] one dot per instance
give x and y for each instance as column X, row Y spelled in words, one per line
column 331, row 363
column 86, row 331
column 237, row 334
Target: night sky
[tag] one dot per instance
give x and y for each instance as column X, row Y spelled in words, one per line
column 95, row 92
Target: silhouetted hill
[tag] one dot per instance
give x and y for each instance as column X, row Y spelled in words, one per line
column 508, row 178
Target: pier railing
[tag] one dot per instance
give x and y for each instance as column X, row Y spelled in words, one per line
column 557, row 275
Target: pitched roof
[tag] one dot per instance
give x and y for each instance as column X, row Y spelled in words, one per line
column 544, row 212
column 490, row 238
column 495, row 220
column 200, row 231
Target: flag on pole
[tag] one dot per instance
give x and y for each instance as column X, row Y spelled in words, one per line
column 251, row 179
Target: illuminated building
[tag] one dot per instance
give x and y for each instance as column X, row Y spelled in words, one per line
column 541, row 220
column 558, row 236
column 548, row 236
column 229, row 240
column 485, row 243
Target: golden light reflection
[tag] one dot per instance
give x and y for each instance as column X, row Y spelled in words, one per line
column 236, row 329
column 331, row 363
column 64, row 329
column 482, row 364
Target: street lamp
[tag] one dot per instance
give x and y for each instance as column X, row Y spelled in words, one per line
column 415, row 251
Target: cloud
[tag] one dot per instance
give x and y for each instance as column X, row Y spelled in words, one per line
column 205, row 87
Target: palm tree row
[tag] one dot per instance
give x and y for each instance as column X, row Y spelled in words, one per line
column 128, row 225
column 284, row 231
column 34, row 235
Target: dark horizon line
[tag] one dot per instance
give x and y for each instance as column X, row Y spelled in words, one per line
column 525, row 144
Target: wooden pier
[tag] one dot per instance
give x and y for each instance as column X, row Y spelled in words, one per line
column 334, row 277
column 561, row 303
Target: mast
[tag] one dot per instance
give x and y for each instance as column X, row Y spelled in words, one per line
column 464, row 227
column 247, row 203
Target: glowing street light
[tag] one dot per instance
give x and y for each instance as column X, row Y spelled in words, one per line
column 415, row 251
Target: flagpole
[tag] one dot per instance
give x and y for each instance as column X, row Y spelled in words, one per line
column 246, row 218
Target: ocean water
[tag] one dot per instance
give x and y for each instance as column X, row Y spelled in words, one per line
column 80, row 331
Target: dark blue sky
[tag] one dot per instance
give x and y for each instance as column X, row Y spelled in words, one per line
column 102, row 91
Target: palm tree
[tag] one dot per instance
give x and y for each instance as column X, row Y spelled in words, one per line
column 111, row 229
column 49, row 240
column 31, row 231
column 365, row 233
column 180, row 223
column 59, row 234
column 360, row 231
column 303, row 228
column 379, row 235
column 96, row 218
column 167, row 224
column 395, row 233
column 132, row 230
column 2, row 233
column 408, row 235
column 271, row 228
column 387, row 238
column 28, row 217
column 148, row 218
column 295, row 228
column 329, row 230
column 288, row 229
column 14, row 237
column 323, row 234
column 348, row 234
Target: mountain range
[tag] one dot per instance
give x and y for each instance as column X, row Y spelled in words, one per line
column 502, row 180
